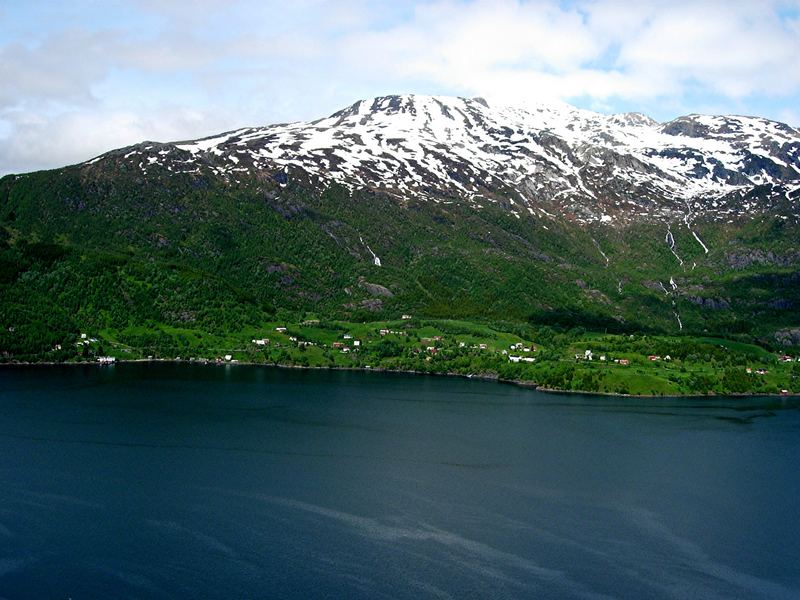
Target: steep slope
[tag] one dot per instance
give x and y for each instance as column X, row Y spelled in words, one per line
column 551, row 159
column 440, row 206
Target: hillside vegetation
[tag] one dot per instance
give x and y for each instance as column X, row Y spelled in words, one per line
column 194, row 266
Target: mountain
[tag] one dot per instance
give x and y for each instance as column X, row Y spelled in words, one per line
column 548, row 216
column 551, row 159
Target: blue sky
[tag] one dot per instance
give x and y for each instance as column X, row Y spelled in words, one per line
column 82, row 77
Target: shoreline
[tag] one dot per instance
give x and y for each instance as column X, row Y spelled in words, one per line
column 488, row 378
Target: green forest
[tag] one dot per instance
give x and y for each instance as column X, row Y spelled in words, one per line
column 196, row 267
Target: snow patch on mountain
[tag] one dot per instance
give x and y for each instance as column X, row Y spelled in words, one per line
column 550, row 158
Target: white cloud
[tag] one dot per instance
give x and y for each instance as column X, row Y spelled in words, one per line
column 61, row 69
column 598, row 50
column 790, row 116
column 88, row 81
column 40, row 142
column 735, row 49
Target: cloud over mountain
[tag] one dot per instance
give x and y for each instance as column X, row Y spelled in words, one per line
column 79, row 79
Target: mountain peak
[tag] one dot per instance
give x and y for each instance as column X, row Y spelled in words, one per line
column 537, row 159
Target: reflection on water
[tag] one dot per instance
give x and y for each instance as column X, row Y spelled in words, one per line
column 163, row 480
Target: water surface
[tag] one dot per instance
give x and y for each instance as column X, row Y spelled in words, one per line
column 160, row 481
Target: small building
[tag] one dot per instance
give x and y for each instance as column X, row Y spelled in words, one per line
column 281, row 329
column 761, row 371
column 784, row 392
column 384, row 332
column 668, row 358
column 406, row 317
column 356, row 342
column 106, row 360
column 624, row 362
column 603, row 358
column 461, row 344
column 228, row 357
column 83, row 336
column 337, row 345
column 482, row 346
column 588, row 355
column 749, row 370
column 260, row 342
column 347, row 336
column 528, row 359
column 514, row 359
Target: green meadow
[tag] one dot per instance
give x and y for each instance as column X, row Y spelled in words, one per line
column 631, row 364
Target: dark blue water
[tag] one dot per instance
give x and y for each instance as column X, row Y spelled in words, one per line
column 159, row 481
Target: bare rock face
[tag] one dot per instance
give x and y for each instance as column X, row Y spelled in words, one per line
column 788, row 337
column 371, row 304
column 747, row 258
column 709, row 303
column 375, row 289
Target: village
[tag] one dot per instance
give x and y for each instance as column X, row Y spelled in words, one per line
column 593, row 363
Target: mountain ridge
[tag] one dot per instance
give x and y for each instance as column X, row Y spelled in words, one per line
column 550, row 218
column 552, row 159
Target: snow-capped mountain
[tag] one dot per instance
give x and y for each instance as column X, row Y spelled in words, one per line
column 585, row 166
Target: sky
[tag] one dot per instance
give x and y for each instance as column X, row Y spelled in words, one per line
column 82, row 77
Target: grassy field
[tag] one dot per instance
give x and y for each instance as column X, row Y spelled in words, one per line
column 620, row 364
